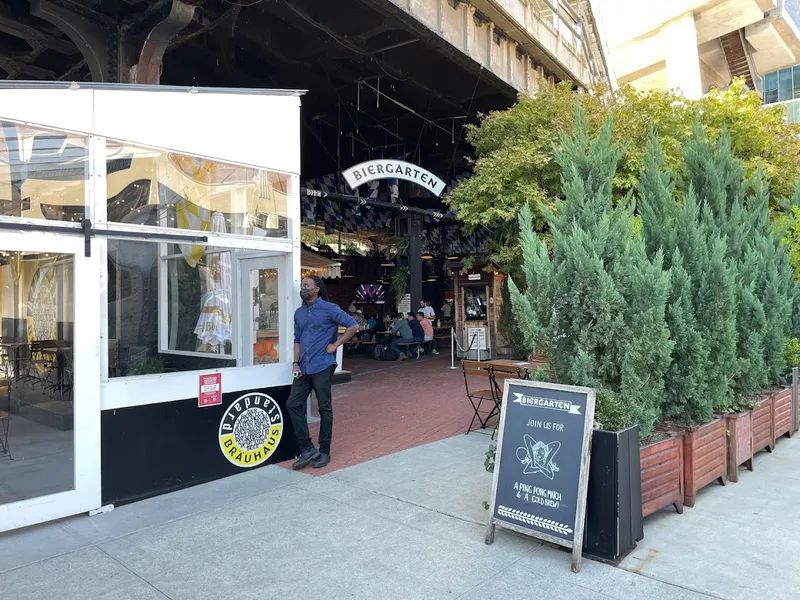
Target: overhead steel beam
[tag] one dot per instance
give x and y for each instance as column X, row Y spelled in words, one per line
column 394, row 46
column 89, row 37
column 16, row 67
column 34, row 37
column 401, row 208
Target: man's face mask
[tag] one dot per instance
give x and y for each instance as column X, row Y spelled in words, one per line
column 305, row 293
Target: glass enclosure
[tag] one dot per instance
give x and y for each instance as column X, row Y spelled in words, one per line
column 180, row 218
column 36, row 374
column 43, row 173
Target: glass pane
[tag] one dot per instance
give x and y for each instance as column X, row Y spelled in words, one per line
column 771, row 88
column 197, row 315
column 785, row 87
column 265, row 334
column 156, row 187
column 36, row 375
column 43, row 173
column 475, row 303
column 796, row 77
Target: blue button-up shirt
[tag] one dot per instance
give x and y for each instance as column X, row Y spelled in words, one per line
column 315, row 326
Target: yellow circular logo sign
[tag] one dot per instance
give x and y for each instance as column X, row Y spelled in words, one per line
column 251, row 430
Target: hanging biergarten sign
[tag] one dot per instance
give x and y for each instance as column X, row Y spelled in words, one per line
column 387, row 168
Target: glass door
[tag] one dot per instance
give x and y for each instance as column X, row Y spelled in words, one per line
column 261, row 291
column 49, row 378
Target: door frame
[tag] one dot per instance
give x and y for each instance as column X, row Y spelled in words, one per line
column 246, row 262
column 88, row 280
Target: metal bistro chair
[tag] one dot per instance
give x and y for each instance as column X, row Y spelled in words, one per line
column 497, row 377
column 5, row 409
column 475, row 368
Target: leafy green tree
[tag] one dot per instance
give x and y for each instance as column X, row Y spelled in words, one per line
column 514, row 167
column 598, row 304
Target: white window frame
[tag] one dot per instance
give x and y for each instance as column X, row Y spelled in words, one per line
column 283, row 263
column 164, row 307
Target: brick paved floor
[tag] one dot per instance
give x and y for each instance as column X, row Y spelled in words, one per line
column 389, row 407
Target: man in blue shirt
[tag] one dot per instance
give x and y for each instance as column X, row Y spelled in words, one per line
column 316, row 329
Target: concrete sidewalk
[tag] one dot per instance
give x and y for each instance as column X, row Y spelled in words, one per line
column 408, row 525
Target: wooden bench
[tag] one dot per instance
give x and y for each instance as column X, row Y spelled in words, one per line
column 353, row 344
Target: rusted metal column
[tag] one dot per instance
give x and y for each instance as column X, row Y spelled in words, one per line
column 148, row 70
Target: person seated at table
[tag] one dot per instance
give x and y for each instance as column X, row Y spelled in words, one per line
column 416, row 332
column 363, row 334
column 427, row 329
column 382, row 330
column 372, row 321
column 403, row 335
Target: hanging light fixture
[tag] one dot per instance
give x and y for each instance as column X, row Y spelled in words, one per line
column 426, row 256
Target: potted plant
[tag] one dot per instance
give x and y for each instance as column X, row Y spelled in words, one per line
column 705, row 456
column 661, row 467
column 791, row 358
column 739, row 423
column 147, row 366
column 400, row 283
column 614, row 495
column 782, row 418
column 595, row 305
column 763, row 437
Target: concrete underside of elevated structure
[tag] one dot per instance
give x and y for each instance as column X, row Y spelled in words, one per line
column 640, row 41
column 400, row 77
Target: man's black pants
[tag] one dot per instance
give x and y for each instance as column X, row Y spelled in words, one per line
column 301, row 388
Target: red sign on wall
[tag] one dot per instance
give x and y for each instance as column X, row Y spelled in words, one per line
column 210, row 390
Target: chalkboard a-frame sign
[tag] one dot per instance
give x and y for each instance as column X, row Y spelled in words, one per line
column 542, row 467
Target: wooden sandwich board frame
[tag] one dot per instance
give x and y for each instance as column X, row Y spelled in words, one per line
column 576, row 544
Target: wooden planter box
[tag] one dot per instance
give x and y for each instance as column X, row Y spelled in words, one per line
column 740, row 443
column 705, row 457
column 614, row 496
column 782, row 414
column 763, row 438
column 662, row 474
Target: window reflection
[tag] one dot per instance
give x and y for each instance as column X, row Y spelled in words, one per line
column 475, row 303
column 771, row 88
column 196, row 333
column 265, row 290
column 43, row 173
column 199, row 301
column 36, row 374
column 785, row 87
column 168, row 189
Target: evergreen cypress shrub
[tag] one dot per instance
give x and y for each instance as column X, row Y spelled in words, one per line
column 677, row 231
column 597, row 304
column 733, row 295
